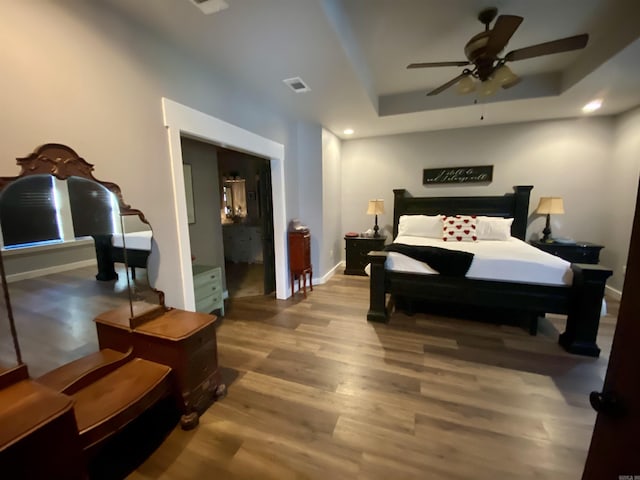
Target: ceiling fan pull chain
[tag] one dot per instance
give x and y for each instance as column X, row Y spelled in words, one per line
column 481, row 108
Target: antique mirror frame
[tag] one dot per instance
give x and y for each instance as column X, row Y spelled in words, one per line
column 63, row 162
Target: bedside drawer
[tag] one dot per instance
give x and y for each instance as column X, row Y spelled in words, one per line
column 579, row 252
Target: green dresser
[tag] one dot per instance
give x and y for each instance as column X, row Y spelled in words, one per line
column 207, row 285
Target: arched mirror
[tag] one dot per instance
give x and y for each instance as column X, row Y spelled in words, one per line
column 71, row 249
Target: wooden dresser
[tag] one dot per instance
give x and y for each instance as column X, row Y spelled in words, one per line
column 207, row 286
column 184, row 341
column 300, row 258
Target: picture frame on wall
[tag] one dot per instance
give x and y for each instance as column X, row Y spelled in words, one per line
column 188, row 190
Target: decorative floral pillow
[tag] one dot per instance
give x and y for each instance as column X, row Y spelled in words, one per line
column 460, row 228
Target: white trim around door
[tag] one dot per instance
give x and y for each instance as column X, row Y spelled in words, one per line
column 180, row 119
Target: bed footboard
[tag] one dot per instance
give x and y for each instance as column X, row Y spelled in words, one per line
column 377, row 288
column 583, row 319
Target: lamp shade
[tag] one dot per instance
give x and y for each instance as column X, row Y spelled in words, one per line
column 376, row 207
column 551, row 205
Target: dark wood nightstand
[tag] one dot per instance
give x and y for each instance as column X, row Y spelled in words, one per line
column 357, row 249
column 579, row 252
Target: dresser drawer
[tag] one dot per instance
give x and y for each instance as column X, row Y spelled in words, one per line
column 207, row 290
column 210, row 303
column 208, row 277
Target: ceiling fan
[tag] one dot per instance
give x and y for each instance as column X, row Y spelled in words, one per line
column 483, row 53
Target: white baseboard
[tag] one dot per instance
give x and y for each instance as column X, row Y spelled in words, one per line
column 325, row 278
column 612, row 292
column 50, row 270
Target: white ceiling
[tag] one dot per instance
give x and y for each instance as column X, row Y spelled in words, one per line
column 353, row 54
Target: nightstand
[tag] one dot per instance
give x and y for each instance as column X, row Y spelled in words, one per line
column 579, row 252
column 357, row 249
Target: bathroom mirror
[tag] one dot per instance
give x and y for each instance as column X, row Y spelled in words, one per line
column 234, row 199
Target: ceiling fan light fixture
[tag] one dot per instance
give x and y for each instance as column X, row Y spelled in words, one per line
column 466, row 85
column 504, row 76
column 489, row 87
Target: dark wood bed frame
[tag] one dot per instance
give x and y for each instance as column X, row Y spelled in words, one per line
column 107, row 255
column 581, row 301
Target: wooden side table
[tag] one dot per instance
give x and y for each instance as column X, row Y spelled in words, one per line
column 300, row 259
column 357, row 249
column 184, row 341
column 579, row 252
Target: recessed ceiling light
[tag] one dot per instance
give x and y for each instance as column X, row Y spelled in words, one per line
column 592, row 106
column 348, row 131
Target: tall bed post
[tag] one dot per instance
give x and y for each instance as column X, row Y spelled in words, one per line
column 520, row 210
column 377, row 295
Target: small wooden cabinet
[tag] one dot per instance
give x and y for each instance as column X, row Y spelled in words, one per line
column 300, row 258
column 579, row 252
column 184, row 341
column 356, row 252
column 207, row 286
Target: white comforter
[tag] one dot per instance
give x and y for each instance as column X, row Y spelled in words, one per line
column 512, row 260
column 134, row 240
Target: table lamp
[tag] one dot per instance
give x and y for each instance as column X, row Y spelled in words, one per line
column 547, row 206
column 375, row 207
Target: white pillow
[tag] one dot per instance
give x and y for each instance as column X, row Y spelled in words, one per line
column 494, row 228
column 420, row 226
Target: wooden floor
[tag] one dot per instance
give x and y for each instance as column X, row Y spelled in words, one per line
column 320, row 393
column 244, row 279
column 314, row 391
column 54, row 315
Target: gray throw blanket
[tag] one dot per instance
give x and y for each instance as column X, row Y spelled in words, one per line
column 452, row 263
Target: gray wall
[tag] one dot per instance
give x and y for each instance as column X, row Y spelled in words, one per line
column 85, row 76
column 27, row 263
column 205, row 234
column 583, row 160
column 332, row 244
column 624, row 170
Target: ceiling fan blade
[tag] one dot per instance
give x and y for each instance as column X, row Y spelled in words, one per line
column 439, row 64
column 451, row 82
column 501, row 33
column 556, row 46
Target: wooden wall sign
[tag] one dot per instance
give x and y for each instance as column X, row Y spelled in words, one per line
column 477, row 174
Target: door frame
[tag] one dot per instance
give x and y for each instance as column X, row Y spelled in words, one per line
column 182, row 120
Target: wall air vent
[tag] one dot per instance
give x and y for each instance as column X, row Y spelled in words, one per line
column 297, row 84
column 209, row 7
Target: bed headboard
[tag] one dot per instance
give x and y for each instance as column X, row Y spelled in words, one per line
column 514, row 205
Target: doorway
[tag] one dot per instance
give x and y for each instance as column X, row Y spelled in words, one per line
column 247, row 223
column 182, row 120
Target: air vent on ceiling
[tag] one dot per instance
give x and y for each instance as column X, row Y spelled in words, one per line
column 297, row 84
column 209, row 7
